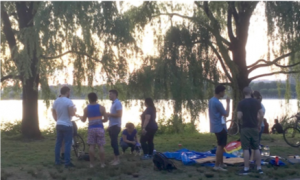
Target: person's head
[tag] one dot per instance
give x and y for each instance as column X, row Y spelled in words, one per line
column 247, row 91
column 257, row 95
column 149, row 103
column 113, row 94
column 276, row 121
column 129, row 127
column 220, row 90
column 65, row 91
column 92, row 97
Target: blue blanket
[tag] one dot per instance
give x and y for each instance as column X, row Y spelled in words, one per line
column 192, row 155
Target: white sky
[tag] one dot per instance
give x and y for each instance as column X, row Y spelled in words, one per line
column 256, row 47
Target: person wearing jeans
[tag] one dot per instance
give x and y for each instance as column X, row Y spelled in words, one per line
column 129, row 138
column 149, row 128
column 114, row 118
column 62, row 112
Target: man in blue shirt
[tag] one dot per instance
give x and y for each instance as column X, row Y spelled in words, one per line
column 114, row 118
column 217, row 125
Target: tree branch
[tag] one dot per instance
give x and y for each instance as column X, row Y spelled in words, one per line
column 7, row 29
column 199, row 5
column 221, row 61
column 268, row 63
column 10, row 77
column 234, row 12
column 173, row 14
column 273, row 73
column 229, row 24
column 68, row 52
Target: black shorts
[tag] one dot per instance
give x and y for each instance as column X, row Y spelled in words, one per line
column 222, row 138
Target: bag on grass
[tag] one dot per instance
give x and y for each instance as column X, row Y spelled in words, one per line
column 84, row 157
column 161, row 162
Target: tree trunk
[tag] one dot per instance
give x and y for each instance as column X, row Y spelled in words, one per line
column 30, row 120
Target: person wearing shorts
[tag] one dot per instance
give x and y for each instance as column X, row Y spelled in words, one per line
column 96, row 115
column 250, row 113
column 218, row 125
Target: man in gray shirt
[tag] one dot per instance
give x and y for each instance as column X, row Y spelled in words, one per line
column 114, row 118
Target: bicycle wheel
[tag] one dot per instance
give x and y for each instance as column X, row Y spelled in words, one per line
column 291, row 136
column 78, row 144
column 232, row 128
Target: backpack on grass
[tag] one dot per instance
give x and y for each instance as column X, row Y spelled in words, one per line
column 84, row 157
column 161, row 162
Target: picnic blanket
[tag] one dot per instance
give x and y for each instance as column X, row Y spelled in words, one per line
column 192, row 156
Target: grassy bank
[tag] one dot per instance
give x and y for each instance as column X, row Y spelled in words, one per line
column 23, row 159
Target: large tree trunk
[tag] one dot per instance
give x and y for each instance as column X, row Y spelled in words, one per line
column 30, row 120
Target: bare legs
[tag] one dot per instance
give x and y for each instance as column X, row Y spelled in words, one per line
column 246, row 158
column 92, row 155
column 219, row 156
column 256, row 156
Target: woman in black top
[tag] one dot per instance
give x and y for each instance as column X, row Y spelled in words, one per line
column 149, row 128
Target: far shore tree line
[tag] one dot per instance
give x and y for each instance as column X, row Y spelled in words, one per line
column 269, row 90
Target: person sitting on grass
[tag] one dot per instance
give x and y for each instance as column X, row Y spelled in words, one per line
column 277, row 127
column 129, row 138
column 96, row 115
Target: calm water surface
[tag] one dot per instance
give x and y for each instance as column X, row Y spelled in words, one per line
column 11, row 110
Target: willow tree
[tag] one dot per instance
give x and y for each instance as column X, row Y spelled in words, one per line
column 218, row 31
column 36, row 36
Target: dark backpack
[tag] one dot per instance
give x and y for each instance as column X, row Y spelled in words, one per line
column 161, row 162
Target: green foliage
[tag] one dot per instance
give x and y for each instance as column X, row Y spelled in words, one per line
column 11, row 128
column 175, row 125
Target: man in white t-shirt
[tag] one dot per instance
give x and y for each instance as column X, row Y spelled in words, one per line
column 62, row 111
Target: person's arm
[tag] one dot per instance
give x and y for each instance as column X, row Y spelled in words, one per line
column 84, row 117
column 104, row 114
column 136, row 138
column 71, row 109
column 118, row 107
column 147, row 119
column 127, row 141
column 260, row 117
column 119, row 114
column 54, row 115
column 239, row 115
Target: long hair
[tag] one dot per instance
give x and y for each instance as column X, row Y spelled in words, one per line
column 150, row 103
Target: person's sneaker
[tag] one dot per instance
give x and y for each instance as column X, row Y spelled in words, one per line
column 260, row 171
column 115, row 163
column 59, row 164
column 219, row 169
column 223, row 166
column 244, row 173
column 71, row 165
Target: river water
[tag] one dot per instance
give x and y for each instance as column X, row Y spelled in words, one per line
column 11, row 110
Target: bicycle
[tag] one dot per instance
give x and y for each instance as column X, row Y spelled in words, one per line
column 232, row 128
column 291, row 134
column 77, row 141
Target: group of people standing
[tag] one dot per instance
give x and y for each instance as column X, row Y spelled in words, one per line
column 63, row 110
column 250, row 112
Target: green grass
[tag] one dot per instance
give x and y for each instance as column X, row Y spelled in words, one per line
column 23, row 159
